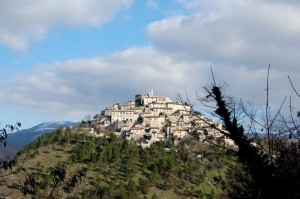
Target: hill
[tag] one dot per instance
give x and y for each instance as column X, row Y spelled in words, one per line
column 112, row 167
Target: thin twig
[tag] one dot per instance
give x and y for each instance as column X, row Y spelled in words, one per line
column 212, row 74
column 291, row 82
column 275, row 117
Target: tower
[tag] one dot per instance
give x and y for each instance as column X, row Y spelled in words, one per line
column 150, row 92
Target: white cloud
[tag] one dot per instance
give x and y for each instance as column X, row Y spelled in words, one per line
column 250, row 33
column 240, row 38
column 25, row 20
column 79, row 87
column 73, row 89
column 12, row 40
column 208, row 5
column 76, row 88
column 152, row 4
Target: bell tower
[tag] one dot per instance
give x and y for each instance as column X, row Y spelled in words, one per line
column 150, row 92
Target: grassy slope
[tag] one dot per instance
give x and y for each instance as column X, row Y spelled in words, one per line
column 118, row 169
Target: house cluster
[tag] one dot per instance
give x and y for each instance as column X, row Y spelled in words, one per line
column 151, row 118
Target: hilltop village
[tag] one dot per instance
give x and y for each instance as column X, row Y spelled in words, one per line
column 151, row 118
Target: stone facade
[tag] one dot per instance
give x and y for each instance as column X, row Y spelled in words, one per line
column 153, row 118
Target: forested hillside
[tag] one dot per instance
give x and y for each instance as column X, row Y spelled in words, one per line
column 68, row 164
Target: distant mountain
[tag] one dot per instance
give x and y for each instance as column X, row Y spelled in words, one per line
column 26, row 136
column 289, row 133
column 255, row 134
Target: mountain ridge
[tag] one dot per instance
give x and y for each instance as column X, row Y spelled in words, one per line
column 26, row 136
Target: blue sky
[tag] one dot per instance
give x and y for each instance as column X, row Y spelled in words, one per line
column 125, row 29
column 66, row 60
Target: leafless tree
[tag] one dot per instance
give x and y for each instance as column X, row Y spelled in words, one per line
column 270, row 165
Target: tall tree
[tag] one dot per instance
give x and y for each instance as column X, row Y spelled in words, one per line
column 273, row 172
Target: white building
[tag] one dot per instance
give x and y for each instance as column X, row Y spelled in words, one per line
column 155, row 118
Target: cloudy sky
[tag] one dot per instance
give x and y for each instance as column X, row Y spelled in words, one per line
column 64, row 60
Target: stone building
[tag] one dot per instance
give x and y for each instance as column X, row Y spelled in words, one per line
column 155, row 118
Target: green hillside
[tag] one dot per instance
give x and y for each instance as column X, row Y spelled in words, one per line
column 112, row 167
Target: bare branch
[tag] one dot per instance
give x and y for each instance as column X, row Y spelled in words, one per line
column 291, row 82
column 267, row 117
column 212, row 74
column 276, row 115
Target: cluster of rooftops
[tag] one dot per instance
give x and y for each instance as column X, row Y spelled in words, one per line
column 151, row 118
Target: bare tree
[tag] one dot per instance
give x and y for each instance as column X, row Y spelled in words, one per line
column 270, row 166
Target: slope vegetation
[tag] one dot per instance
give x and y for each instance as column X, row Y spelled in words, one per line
column 112, row 167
